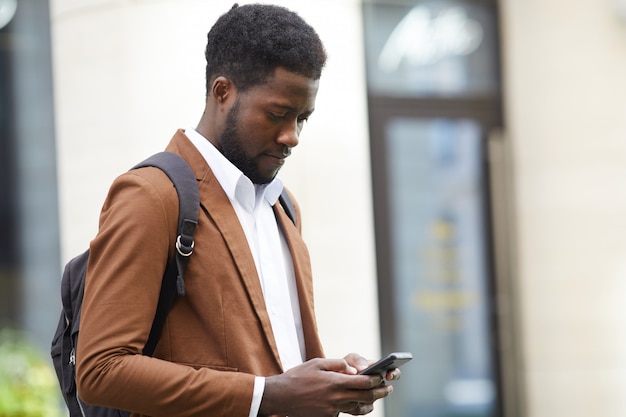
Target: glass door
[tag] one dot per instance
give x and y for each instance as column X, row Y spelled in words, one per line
column 438, row 263
column 433, row 98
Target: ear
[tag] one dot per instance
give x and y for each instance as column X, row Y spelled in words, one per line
column 221, row 89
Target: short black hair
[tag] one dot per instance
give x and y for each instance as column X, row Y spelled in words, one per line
column 249, row 42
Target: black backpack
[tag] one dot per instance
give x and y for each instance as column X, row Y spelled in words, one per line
column 63, row 347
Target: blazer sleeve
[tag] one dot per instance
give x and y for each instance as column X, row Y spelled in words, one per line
column 126, row 264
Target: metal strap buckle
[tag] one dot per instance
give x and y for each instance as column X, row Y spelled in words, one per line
column 180, row 245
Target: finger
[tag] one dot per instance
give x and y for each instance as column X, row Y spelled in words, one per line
column 382, row 391
column 357, row 361
column 364, row 382
column 337, row 365
column 358, row 409
column 393, row 375
column 369, row 396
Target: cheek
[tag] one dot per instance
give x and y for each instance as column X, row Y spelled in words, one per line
column 258, row 132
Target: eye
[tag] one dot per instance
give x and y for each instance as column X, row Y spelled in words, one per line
column 276, row 117
column 303, row 119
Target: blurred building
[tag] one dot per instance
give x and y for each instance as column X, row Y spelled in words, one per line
column 460, row 180
column 29, row 209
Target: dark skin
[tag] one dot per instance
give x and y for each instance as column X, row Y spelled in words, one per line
column 270, row 118
column 325, row 387
column 264, row 126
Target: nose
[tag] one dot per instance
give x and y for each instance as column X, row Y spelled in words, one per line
column 288, row 136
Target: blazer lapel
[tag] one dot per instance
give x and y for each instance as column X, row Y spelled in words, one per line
column 304, row 283
column 218, row 207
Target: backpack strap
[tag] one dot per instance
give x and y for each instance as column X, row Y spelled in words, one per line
column 173, row 283
column 186, row 186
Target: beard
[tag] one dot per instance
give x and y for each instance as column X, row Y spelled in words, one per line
column 230, row 145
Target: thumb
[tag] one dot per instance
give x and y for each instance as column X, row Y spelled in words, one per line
column 338, row 365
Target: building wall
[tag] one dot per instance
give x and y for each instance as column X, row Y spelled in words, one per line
column 564, row 65
column 129, row 72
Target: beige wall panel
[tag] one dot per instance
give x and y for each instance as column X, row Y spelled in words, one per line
column 564, row 72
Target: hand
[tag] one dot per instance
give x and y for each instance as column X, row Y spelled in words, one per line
column 323, row 387
column 360, row 363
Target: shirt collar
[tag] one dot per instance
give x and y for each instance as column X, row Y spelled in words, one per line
column 235, row 184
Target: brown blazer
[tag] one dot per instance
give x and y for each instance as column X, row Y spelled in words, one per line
column 216, row 338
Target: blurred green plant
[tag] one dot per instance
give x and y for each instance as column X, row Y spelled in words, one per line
column 28, row 384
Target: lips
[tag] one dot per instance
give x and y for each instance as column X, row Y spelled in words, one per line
column 276, row 159
column 280, row 155
column 277, row 156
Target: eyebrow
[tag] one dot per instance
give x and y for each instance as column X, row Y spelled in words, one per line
column 291, row 108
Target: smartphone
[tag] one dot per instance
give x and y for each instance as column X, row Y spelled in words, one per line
column 389, row 362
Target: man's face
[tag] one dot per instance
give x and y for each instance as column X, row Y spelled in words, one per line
column 264, row 123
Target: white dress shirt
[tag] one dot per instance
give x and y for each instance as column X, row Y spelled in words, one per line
column 274, row 265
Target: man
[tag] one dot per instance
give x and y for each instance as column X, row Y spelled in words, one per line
column 243, row 340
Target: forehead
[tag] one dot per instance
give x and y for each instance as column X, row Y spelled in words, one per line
column 285, row 88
